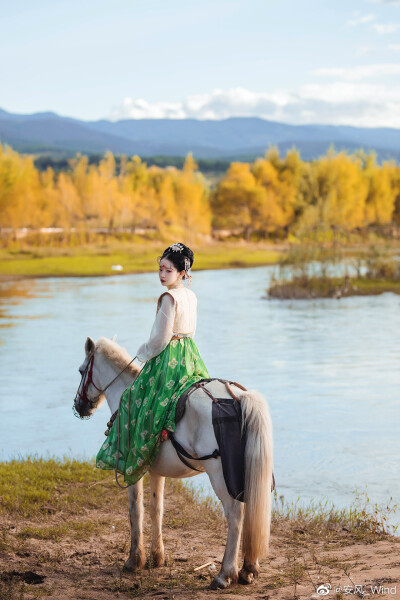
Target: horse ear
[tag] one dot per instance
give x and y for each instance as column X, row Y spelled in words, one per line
column 89, row 346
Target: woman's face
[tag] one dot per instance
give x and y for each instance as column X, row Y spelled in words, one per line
column 169, row 275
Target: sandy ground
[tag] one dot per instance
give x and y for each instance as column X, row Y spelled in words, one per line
column 88, row 565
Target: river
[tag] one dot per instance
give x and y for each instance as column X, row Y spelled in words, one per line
column 330, row 370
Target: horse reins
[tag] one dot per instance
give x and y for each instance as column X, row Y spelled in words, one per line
column 87, row 379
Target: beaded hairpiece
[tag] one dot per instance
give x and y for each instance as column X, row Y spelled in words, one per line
column 176, row 247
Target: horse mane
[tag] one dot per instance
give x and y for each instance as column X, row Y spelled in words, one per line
column 117, row 355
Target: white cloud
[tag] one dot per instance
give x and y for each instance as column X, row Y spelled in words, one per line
column 336, row 103
column 384, row 28
column 364, row 50
column 395, row 47
column 218, row 104
column 360, row 20
column 359, row 72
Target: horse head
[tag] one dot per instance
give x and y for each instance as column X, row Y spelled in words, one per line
column 88, row 396
column 105, row 363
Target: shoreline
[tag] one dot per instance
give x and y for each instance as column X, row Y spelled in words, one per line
column 101, row 262
column 312, row 288
column 66, row 536
column 6, row 277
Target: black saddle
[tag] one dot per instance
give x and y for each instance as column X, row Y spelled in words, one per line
column 231, row 439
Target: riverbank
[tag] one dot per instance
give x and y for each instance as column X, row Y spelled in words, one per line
column 119, row 259
column 65, row 535
column 308, row 288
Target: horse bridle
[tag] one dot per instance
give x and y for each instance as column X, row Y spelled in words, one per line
column 87, row 379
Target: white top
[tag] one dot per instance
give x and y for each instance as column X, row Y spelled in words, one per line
column 176, row 314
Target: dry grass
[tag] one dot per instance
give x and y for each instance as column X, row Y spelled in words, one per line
column 67, row 523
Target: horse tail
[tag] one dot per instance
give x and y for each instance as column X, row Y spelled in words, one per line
column 258, row 475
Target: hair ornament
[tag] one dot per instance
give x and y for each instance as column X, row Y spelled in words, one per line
column 188, row 275
column 176, row 247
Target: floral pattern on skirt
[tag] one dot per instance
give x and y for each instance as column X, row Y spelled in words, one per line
column 148, row 406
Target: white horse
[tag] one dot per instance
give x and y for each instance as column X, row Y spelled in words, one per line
column 196, row 434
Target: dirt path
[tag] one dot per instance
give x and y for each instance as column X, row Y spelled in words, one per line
column 80, row 556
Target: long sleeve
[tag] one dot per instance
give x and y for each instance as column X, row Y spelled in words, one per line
column 161, row 332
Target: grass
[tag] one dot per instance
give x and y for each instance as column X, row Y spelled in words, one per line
column 66, row 503
column 38, row 486
column 310, row 271
column 56, row 533
column 306, row 287
column 98, row 260
column 66, row 519
column 362, row 519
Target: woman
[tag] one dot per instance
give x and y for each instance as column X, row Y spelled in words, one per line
column 173, row 363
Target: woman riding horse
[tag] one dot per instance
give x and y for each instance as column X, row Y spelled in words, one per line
column 172, row 364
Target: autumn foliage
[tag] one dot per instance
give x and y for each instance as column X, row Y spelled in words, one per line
column 271, row 196
column 281, row 195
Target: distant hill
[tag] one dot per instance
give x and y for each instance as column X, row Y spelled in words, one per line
column 234, row 138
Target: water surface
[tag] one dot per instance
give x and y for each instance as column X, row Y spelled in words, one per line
column 330, row 370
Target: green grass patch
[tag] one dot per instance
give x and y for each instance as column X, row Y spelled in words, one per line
column 71, row 529
column 363, row 519
column 36, row 486
column 310, row 271
column 332, row 287
column 134, row 258
column 365, row 286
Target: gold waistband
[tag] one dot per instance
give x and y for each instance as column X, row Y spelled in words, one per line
column 178, row 336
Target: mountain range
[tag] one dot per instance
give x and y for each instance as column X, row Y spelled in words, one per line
column 233, row 138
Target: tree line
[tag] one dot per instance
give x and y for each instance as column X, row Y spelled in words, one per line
column 272, row 196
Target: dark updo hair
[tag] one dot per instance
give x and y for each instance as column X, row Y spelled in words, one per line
column 178, row 257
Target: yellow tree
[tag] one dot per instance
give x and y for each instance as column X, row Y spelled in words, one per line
column 110, row 200
column 68, row 212
column 238, row 200
column 282, row 181
column 48, row 199
column 380, row 199
column 168, row 213
column 395, row 184
column 192, row 199
column 341, row 190
column 141, row 195
column 82, row 180
column 19, row 189
column 270, row 211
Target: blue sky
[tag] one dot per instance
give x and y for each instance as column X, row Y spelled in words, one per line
column 297, row 62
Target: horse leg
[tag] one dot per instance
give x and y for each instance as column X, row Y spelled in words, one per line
column 137, row 555
column 233, row 510
column 249, row 571
column 156, row 512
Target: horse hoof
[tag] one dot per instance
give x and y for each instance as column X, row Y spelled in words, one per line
column 132, row 565
column 219, row 583
column 129, row 566
column 156, row 560
column 245, row 577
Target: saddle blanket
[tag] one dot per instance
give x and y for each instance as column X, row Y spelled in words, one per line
column 227, row 423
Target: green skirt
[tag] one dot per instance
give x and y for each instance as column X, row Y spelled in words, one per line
column 148, row 406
